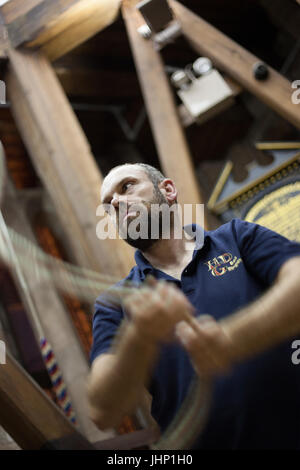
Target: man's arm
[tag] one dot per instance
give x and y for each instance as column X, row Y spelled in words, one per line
column 274, row 317
column 117, row 381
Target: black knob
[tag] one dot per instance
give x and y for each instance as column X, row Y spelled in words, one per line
column 260, row 71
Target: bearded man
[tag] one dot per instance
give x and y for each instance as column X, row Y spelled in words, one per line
column 176, row 326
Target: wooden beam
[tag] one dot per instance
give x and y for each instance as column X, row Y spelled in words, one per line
column 62, row 157
column 16, row 8
column 33, row 22
column 29, row 416
column 86, row 19
column 3, row 46
column 35, row 422
column 60, row 25
column 170, row 140
column 53, row 317
column 237, row 62
column 4, row 42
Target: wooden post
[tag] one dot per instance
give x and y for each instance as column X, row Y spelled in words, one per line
column 62, row 157
column 170, row 140
column 237, row 62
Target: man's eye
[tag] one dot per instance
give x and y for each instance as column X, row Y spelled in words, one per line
column 126, row 185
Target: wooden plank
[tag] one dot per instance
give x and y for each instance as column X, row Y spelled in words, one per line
column 4, row 43
column 63, row 160
column 3, row 46
column 61, row 25
column 80, row 23
column 237, row 62
column 33, row 22
column 28, row 415
column 53, row 317
column 170, row 140
column 16, row 8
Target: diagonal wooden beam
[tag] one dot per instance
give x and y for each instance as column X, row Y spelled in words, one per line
column 63, row 160
column 60, row 25
column 237, row 62
column 53, row 318
column 28, row 26
column 170, row 140
column 35, row 422
column 29, row 416
column 15, row 8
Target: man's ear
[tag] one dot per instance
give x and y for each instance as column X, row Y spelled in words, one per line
column 168, row 188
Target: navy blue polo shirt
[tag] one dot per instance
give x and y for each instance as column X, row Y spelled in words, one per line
column 258, row 404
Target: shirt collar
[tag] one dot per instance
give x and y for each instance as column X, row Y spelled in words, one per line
column 193, row 230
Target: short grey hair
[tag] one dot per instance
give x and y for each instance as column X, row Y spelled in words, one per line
column 154, row 175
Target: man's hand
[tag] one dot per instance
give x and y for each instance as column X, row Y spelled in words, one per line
column 207, row 344
column 162, row 310
column 157, row 309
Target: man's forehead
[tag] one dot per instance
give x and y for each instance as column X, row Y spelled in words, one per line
column 116, row 175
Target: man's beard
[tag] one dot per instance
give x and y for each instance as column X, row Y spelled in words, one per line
column 148, row 218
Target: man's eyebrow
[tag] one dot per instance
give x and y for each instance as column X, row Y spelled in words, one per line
column 120, row 183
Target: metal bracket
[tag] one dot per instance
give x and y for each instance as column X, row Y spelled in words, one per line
column 161, row 25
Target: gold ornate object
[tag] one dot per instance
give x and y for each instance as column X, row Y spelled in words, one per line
column 231, row 199
column 279, row 211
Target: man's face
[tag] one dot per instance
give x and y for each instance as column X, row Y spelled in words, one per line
column 128, row 194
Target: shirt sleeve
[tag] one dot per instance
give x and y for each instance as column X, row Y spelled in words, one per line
column 263, row 251
column 106, row 322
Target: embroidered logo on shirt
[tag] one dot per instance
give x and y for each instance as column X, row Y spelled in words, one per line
column 216, row 265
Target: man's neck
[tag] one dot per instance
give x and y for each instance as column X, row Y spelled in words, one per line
column 170, row 253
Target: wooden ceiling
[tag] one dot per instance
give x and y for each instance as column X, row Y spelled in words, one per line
column 100, row 80
column 98, row 67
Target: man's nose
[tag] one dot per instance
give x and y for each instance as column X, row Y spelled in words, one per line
column 115, row 201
